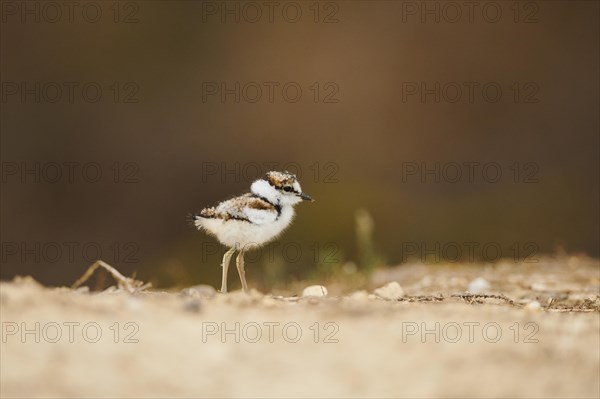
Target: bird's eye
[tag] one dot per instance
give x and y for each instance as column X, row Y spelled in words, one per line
column 287, row 189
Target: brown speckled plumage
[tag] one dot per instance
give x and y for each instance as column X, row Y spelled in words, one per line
column 234, row 208
column 280, row 179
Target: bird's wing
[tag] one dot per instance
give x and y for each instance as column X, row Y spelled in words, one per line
column 249, row 208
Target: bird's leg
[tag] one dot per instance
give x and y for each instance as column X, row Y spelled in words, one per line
column 240, row 266
column 225, row 265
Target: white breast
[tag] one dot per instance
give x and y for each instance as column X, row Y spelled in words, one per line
column 236, row 232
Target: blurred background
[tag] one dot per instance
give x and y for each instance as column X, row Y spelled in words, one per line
column 424, row 130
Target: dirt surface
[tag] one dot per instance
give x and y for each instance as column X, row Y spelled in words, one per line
column 528, row 330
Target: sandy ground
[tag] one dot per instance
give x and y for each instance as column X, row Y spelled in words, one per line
column 533, row 332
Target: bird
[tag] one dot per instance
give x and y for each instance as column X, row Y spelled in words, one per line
column 252, row 219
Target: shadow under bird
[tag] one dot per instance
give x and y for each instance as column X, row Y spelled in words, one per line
column 252, row 219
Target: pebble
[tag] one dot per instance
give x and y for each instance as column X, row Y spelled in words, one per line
column 478, row 286
column 315, row 291
column 391, row 291
column 192, row 305
column 533, row 305
column 201, row 290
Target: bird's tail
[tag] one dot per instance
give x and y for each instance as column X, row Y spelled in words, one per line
column 194, row 219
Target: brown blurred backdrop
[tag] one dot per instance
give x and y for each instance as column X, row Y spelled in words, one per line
column 169, row 134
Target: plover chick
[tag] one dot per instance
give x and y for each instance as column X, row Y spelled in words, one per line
column 252, row 219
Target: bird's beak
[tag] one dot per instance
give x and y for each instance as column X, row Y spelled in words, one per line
column 306, row 197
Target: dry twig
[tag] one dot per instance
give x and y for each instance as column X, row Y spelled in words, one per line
column 126, row 283
column 471, row 298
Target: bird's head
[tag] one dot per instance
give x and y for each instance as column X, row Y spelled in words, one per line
column 280, row 188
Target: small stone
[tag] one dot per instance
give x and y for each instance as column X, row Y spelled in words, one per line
column 201, row 290
column 533, row 305
column 391, row 291
column 315, row 290
column 478, row 286
column 192, row 305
